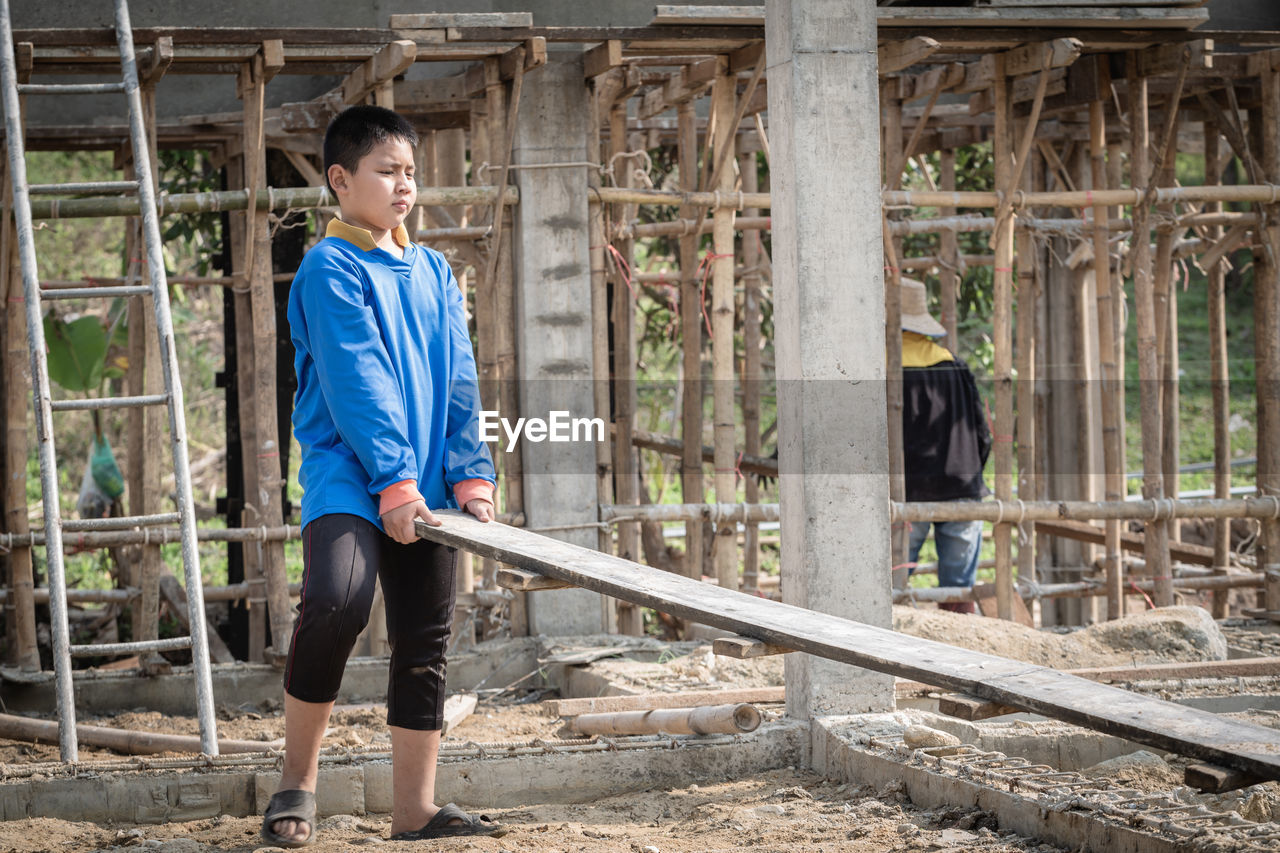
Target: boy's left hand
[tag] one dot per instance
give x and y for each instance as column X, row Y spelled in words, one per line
column 480, row 508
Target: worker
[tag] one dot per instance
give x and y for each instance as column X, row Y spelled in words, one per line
column 945, row 441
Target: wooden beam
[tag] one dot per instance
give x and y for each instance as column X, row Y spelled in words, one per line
column 378, row 69
column 444, row 20
column 1059, row 17
column 690, row 83
column 1134, row 543
column 605, row 56
column 1030, row 58
column 971, row 708
column 1169, row 58
column 523, row 581
column 647, row 701
column 272, row 58
column 161, row 59
column 729, row 16
column 894, row 56
column 1199, row 734
column 1212, row 779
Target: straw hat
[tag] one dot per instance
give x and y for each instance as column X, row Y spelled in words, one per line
column 915, row 310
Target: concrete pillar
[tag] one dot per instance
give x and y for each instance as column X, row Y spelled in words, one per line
column 829, row 318
column 553, row 324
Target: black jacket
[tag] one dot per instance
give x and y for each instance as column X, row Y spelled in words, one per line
column 945, row 435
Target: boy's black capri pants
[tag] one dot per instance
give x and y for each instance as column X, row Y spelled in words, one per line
column 342, row 554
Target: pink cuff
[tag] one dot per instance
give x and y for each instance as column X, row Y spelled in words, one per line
column 469, row 490
column 397, row 495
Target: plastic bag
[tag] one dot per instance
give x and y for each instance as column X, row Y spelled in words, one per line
column 102, row 482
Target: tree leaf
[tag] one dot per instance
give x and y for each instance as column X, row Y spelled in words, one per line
column 77, row 351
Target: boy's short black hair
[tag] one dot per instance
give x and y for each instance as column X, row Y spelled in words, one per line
column 354, row 131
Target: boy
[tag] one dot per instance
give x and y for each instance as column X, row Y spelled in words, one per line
column 386, row 414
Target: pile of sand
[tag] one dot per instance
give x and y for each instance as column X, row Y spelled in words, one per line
column 1167, row 634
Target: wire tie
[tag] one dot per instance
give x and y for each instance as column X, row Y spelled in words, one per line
column 1000, row 506
column 262, row 531
column 742, row 198
column 1022, row 512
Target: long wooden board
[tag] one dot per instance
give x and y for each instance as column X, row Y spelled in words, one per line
column 1200, row 734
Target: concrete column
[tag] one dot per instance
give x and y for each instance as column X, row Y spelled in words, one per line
column 553, row 324
column 829, row 316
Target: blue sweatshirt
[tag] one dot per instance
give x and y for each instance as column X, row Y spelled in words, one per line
column 387, row 405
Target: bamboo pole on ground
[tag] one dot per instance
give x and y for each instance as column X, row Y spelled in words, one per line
column 626, row 483
column 723, row 356
column 751, row 375
column 1219, row 373
column 1267, row 337
column 1157, row 532
column 1105, row 285
column 20, row 617
column 1028, row 294
column 128, row 741
column 948, row 251
column 692, row 485
column 713, row 719
column 1003, row 336
column 251, row 83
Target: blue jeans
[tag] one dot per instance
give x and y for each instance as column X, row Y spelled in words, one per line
column 958, row 542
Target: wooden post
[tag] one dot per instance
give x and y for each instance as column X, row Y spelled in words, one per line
column 1156, row 532
column 599, row 316
column 1105, row 284
column 723, row 105
column 1003, row 336
column 1266, row 296
column 691, row 475
column 948, row 251
column 626, row 483
column 752, row 249
column 20, row 617
column 145, row 425
column 1219, row 374
column 251, row 83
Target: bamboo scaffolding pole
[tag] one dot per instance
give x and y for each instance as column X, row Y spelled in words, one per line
column 20, row 617
column 691, row 475
column 719, row 513
column 681, row 227
column 1267, row 336
column 752, row 248
column 713, row 719
column 948, row 252
column 251, row 85
column 1027, row 294
column 1157, row 551
column 1077, row 589
column 599, row 314
column 1112, row 437
column 930, row 262
column 1219, row 370
column 626, row 481
column 723, row 355
column 673, row 446
column 1002, row 336
column 891, row 150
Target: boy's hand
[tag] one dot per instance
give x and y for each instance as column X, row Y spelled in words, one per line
column 480, row 508
column 399, row 521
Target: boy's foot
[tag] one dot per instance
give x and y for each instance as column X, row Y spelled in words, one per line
column 451, row 822
column 290, row 818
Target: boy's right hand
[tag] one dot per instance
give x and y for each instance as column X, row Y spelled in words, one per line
column 399, row 522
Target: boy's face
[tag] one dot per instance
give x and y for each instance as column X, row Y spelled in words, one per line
column 379, row 194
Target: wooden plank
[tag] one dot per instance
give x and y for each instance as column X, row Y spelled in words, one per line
column 444, row 20
column 380, row 68
column 1168, row 58
column 457, row 708
column 1083, row 531
column 519, row 579
column 650, row 701
column 1030, row 58
column 1041, row 690
column 1055, row 17
column 725, row 16
column 985, row 595
column 1239, row 668
column 601, row 58
column 161, row 59
column 896, row 55
column 971, row 708
column 1212, row 779
column 745, row 648
column 176, row 597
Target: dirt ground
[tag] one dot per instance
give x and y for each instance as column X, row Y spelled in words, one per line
column 779, row 811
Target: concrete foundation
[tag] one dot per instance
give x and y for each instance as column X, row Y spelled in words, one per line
column 360, row 786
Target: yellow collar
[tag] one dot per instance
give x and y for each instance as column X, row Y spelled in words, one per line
column 361, row 236
column 921, row 351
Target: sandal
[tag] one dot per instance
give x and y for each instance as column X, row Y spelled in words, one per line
column 293, row 804
column 442, row 826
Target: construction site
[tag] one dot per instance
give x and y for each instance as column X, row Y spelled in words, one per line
column 699, row 624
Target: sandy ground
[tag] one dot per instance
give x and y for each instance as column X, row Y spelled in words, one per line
column 780, row 811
